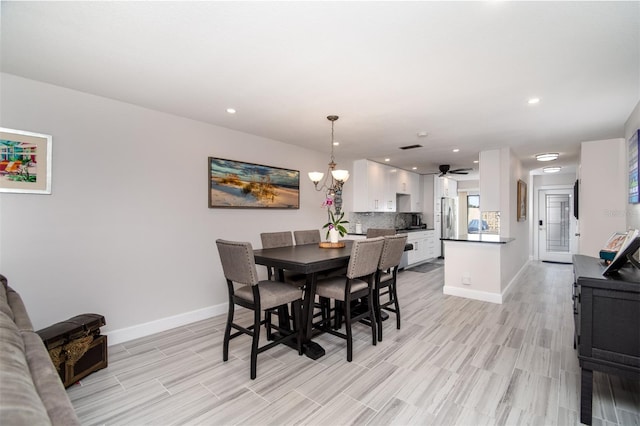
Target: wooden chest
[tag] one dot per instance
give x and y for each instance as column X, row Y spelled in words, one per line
column 76, row 346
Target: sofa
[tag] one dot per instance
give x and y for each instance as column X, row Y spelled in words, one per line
column 31, row 392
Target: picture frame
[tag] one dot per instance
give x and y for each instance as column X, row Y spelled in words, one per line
column 241, row 185
column 25, row 162
column 634, row 143
column 521, row 213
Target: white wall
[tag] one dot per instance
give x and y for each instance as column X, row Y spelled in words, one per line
column 126, row 231
column 516, row 254
column 490, row 180
column 603, row 192
column 632, row 125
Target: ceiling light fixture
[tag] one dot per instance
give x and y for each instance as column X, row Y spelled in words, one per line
column 231, row 110
column 387, row 159
column 333, row 188
column 414, row 168
column 533, row 101
column 548, row 156
column 554, row 169
column 456, row 150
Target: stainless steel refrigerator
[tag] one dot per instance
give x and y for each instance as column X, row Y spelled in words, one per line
column 449, row 220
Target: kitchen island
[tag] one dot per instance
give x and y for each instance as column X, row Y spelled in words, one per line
column 478, row 266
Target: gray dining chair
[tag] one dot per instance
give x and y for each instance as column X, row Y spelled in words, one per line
column 380, row 232
column 246, row 290
column 311, row 236
column 356, row 284
column 386, row 278
column 275, row 240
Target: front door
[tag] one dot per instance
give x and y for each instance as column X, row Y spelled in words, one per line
column 556, row 225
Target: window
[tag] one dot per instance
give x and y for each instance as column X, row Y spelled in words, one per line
column 474, row 222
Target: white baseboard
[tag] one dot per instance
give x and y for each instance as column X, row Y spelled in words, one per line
column 515, row 278
column 141, row 330
column 484, row 296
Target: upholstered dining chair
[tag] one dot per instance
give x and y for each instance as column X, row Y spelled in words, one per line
column 275, row 240
column 357, row 283
column 246, row 290
column 386, row 278
column 311, row 236
column 380, row 232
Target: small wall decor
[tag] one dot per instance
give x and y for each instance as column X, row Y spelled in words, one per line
column 522, row 201
column 25, row 162
column 236, row 184
column 634, row 140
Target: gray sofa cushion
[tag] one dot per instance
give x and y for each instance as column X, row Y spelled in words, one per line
column 4, row 301
column 47, row 381
column 20, row 316
column 21, row 403
column 31, row 392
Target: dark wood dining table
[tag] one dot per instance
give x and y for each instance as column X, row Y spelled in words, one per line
column 310, row 260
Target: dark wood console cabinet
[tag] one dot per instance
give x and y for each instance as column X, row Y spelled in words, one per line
column 606, row 311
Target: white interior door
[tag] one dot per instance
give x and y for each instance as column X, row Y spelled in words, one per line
column 556, row 225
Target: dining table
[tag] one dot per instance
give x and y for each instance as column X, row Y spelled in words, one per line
column 310, row 260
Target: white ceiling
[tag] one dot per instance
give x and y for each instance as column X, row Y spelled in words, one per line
column 460, row 71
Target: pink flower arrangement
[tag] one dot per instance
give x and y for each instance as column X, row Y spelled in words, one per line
column 328, row 202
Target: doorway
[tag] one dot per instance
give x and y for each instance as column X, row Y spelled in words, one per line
column 556, row 225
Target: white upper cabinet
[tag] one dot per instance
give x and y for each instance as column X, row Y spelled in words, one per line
column 408, row 183
column 370, row 186
column 375, row 187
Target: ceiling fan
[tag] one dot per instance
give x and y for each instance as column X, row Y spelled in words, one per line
column 445, row 170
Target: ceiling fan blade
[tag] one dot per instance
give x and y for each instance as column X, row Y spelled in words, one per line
column 455, row 172
column 460, row 170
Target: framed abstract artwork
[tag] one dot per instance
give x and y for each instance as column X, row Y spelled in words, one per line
column 634, row 141
column 241, row 185
column 25, row 162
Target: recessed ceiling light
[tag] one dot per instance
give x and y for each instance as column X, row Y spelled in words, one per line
column 422, row 134
column 336, row 143
column 231, row 110
column 475, row 161
column 533, row 101
column 414, row 168
column 456, row 150
column 554, row 169
column 387, row 159
column 547, row 156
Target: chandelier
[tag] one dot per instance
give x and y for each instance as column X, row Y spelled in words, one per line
column 334, row 179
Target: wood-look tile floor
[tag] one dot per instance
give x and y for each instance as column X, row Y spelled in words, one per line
column 454, row 362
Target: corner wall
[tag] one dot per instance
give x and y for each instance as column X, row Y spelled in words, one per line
column 126, row 231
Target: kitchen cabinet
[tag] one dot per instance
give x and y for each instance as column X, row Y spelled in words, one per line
column 374, row 187
column 430, row 245
column 408, row 183
column 423, row 246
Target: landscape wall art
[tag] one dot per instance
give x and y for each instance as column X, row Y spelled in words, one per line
column 236, row 184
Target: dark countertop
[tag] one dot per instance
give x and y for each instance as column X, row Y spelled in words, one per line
column 399, row 231
column 480, row 238
column 402, row 231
